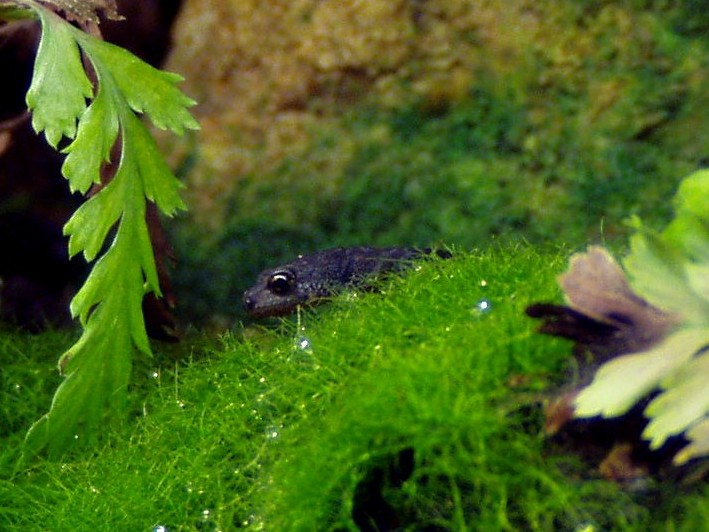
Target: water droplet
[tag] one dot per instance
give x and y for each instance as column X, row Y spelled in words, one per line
column 303, row 343
column 160, row 528
column 206, row 515
column 302, row 350
column 273, row 432
column 482, row 306
column 253, row 522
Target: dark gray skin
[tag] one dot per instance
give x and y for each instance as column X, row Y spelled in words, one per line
column 312, row 278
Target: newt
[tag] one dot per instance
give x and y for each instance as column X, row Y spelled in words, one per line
column 310, row 279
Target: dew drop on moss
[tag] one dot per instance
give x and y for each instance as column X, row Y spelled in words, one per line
column 482, row 306
column 206, row 520
column 273, row 432
column 302, row 350
column 303, row 343
column 253, row 522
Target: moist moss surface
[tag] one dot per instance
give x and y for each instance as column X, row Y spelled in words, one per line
column 415, row 406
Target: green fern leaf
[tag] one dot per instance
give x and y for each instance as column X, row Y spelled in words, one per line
column 109, row 304
column 96, row 135
column 58, row 71
column 156, row 95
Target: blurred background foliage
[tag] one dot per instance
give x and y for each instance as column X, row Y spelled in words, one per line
column 387, row 122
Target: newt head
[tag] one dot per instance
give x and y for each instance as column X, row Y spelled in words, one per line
column 275, row 293
column 279, row 291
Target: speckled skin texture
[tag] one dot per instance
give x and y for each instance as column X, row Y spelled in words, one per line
column 306, row 280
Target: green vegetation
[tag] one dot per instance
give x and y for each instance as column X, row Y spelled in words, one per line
column 671, row 271
column 462, row 176
column 97, row 367
column 418, row 403
column 406, row 392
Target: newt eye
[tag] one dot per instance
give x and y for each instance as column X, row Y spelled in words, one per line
column 280, row 283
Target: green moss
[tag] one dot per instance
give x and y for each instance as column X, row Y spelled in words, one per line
column 540, row 83
column 28, row 375
column 398, row 399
